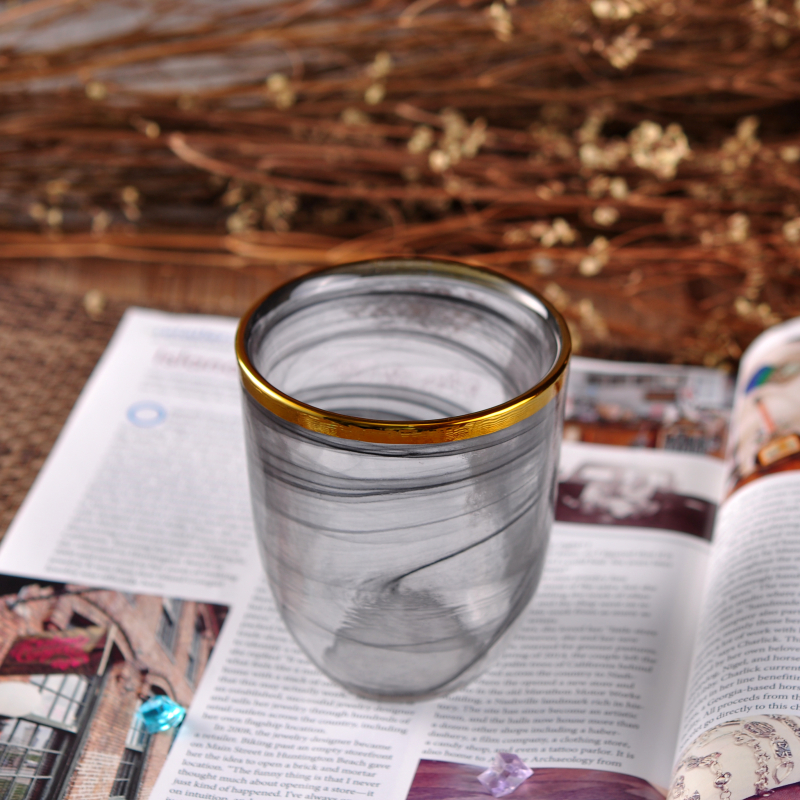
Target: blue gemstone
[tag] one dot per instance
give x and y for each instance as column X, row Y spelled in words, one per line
column 160, row 713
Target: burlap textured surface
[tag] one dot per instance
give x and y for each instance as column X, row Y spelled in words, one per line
column 48, row 348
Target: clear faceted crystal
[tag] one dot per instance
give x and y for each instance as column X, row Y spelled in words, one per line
column 783, row 770
column 506, row 773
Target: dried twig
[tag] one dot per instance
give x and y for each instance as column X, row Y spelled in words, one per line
column 636, row 149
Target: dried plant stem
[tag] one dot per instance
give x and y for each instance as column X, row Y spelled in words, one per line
column 639, row 162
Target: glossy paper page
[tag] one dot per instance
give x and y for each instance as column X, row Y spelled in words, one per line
column 137, row 539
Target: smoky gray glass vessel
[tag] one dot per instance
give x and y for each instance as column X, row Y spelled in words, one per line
column 403, row 420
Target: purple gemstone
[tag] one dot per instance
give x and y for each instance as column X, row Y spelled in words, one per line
column 506, row 773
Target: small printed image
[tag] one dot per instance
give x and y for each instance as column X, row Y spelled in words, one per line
column 767, row 419
column 671, row 408
column 93, row 686
column 442, row 780
column 741, row 759
column 613, row 494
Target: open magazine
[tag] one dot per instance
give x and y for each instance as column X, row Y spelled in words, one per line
column 653, row 660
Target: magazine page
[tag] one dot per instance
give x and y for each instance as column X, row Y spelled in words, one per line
column 741, row 733
column 585, row 693
column 133, row 558
column 119, row 572
column 146, row 487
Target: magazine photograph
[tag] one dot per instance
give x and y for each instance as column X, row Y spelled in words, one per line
column 766, row 414
column 78, row 666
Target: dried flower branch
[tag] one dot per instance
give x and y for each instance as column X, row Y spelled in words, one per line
column 631, row 149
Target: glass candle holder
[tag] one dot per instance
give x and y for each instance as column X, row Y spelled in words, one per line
column 403, row 420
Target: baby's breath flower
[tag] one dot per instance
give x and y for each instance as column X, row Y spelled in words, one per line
column 94, row 303
column 591, row 319
column 54, row 217
column 236, row 223
column 459, row 140
column 754, row 282
column 590, row 266
column 605, row 215
column 739, row 150
column 598, row 186
column 625, row 49
column 593, row 263
column 354, row 117
column 593, row 124
column 100, row 221
column 375, row 93
column 421, row 139
column 743, row 307
column 152, row 130
column 607, row 156
column 514, row 236
column 233, row 195
column 130, row 195
column 618, row 188
column 746, row 128
column 130, row 199
column 56, row 188
column 549, row 238
column 277, row 82
column 557, row 296
column 658, row 150
column 280, row 91
column 616, row 9
column 500, row 21
column 95, row 90
column 562, row 229
column 760, row 313
column 791, row 230
column 738, row 228
column 243, row 219
column 475, row 138
column 557, row 232
column 381, row 66
column 438, row 161
column 542, row 265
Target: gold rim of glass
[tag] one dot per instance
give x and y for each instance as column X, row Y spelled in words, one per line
column 445, row 429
